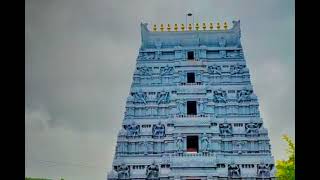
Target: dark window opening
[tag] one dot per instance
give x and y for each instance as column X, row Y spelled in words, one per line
column 192, row 144
column 191, row 78
column 190, row 55
column 191, row 108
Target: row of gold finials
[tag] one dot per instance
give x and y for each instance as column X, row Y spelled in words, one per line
column 197, row 26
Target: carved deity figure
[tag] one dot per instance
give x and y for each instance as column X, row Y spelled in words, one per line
column 220, row 95
column 239, row 145
column 166, row 70
column 152, row 170
column 145, row 56
column 145, row 71
column 204, row 142
column 180, row 106
column 158, row 43
column 114, row 172
column 235, row 53
column 202, row 107
column 179, row 143
column 162, row 97
column 214, row 69
column 158, row 130
column 140, row 97
column 244, row 94
column 236, row 69
column 133, row 129
column 223, row 53
column 225, row 129
column 123, row 171
column 252, row 128
column 182, row 76
column 198, row 76
column 233, row 170
column 263, row 170
column 145, row 147
column 222, row 42
column 241, row 53
column 158, row 54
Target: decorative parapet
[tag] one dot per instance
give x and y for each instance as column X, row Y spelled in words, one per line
column 164, row 39
column 191, row 27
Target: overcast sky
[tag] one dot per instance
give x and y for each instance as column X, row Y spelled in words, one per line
column 80, row 58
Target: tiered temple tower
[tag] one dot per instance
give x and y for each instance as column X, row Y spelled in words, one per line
column 191, row 111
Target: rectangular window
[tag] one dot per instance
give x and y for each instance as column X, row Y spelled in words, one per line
column 191, row 78
column 191, row 108
column 192, row 143
column 190, row 55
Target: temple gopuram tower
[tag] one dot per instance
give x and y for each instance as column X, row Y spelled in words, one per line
column 191, row 112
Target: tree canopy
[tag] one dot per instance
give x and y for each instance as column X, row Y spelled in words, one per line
column 286, row 168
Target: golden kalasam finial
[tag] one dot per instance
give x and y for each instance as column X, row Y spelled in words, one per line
column 218, row 26
column 197, row 26
column 168, row 27
column 190, row 27
column 211, row 26
column 204, row 26
column 154, row 27
column 175, row 27
column 161, row 27
column 225, row 25
column 182, row 27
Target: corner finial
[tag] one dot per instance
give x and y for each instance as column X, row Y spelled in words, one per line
column 236, row 27
column 144, row 26
column 144, row 33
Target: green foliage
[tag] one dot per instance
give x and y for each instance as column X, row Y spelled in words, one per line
column 286, row 168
